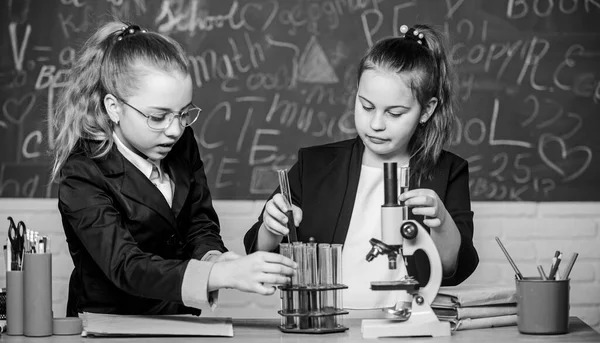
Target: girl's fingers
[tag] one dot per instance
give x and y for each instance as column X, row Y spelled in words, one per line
column 275, row 226
column 421, row 200
column 273, row 210
column 264, row 290
column 277, row 259
column 432, row 222
column 278, row 269
column 425, row 211
column 297, row 215
column 280, row 202
column 273, row 279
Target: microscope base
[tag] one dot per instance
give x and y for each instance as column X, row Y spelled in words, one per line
column 420, row 325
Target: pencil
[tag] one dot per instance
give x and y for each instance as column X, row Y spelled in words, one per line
column 510, row 260
column 570, row 266
column 541, row 271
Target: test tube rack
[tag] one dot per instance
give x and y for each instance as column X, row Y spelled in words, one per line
column 310, row 316
column 312, row 302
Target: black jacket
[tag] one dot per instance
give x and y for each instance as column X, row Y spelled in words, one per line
column 129, row 248
column 324, row 181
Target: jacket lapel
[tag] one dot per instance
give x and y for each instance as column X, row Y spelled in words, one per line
column 135, row 185
column 349, row 185
column 182, row 179
column 139, row 188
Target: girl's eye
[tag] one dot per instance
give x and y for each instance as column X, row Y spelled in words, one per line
column 157, row 118
column 366, row 108
column 394, row 114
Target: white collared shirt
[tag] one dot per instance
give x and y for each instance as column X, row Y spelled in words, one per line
column 164, row 184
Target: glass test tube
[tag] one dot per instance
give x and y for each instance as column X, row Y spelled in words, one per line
column 336, row 263
column 287, row 301
column 312, row 282
column 326, row 279
column 300, row 297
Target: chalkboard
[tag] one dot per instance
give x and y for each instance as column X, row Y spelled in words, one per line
column 273, row 76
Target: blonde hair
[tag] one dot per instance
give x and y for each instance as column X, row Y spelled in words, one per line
column 105, row 65
column 431, row 75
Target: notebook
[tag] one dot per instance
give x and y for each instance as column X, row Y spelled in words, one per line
column 111, row 325
column 474, row 295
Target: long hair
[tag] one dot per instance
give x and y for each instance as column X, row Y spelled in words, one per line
column 105, row 65
column 430, row 75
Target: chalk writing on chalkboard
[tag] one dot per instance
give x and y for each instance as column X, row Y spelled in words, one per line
column 273, row 76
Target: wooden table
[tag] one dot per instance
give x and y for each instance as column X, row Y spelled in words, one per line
column 265, row 330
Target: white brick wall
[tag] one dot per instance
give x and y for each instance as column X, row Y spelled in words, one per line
column 531, row 233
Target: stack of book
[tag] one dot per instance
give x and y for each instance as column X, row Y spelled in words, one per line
column 476, row 306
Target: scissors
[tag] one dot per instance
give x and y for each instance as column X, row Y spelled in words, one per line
column 16, row 235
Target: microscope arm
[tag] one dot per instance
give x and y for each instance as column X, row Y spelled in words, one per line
column 423, row 241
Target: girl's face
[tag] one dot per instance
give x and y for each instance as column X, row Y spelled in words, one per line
column 386, row 114
column 158, row 94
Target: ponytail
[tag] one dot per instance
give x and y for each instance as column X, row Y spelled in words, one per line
column 76, row 115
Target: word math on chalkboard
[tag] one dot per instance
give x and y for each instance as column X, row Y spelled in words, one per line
column 273, row 76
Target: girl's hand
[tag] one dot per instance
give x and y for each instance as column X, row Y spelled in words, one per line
column 255, row 273
column 425, row 202
column 274, row 216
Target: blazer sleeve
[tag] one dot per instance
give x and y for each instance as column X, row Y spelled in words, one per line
column 458, row 204
column 203, row 234
column 87, row 205
column 294, row 176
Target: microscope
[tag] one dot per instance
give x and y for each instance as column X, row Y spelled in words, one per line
column 400, row 237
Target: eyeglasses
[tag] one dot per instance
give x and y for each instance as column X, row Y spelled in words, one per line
column 162, row 121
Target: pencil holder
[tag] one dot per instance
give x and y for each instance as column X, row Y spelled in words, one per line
column 542, row 306
column 312, row 303
column 14, row 302
column 37, row 279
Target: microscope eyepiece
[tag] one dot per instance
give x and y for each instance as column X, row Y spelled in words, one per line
column 390, row 183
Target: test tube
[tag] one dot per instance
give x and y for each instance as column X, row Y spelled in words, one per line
column 312, row 282
column 301, row 297
column 336, row 263
column 287, row 301
column 326, row 279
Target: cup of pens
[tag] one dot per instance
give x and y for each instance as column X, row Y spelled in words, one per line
column 542, row 306
column 543, row 301
column 28, row 282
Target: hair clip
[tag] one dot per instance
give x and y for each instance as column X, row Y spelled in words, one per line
column 129, row 30
column 413, row 34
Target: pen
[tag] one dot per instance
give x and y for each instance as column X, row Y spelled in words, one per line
column 570, row 266
column 555, row 266
column 510, row 260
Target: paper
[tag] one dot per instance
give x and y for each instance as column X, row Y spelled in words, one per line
column 483, row 323
column 105, row 325
column 474, row 295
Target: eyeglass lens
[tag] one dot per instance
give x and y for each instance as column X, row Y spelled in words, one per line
column 186, row 118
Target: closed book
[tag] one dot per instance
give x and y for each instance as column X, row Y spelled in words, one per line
column 111, row 325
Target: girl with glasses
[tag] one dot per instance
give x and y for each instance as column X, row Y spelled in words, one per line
column 133, row 196
column 403, row 113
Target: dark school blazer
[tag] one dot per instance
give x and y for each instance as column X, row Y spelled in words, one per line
column 324, row 181
column 129, row 248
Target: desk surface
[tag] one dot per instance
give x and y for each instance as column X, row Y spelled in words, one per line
column 265, row 330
